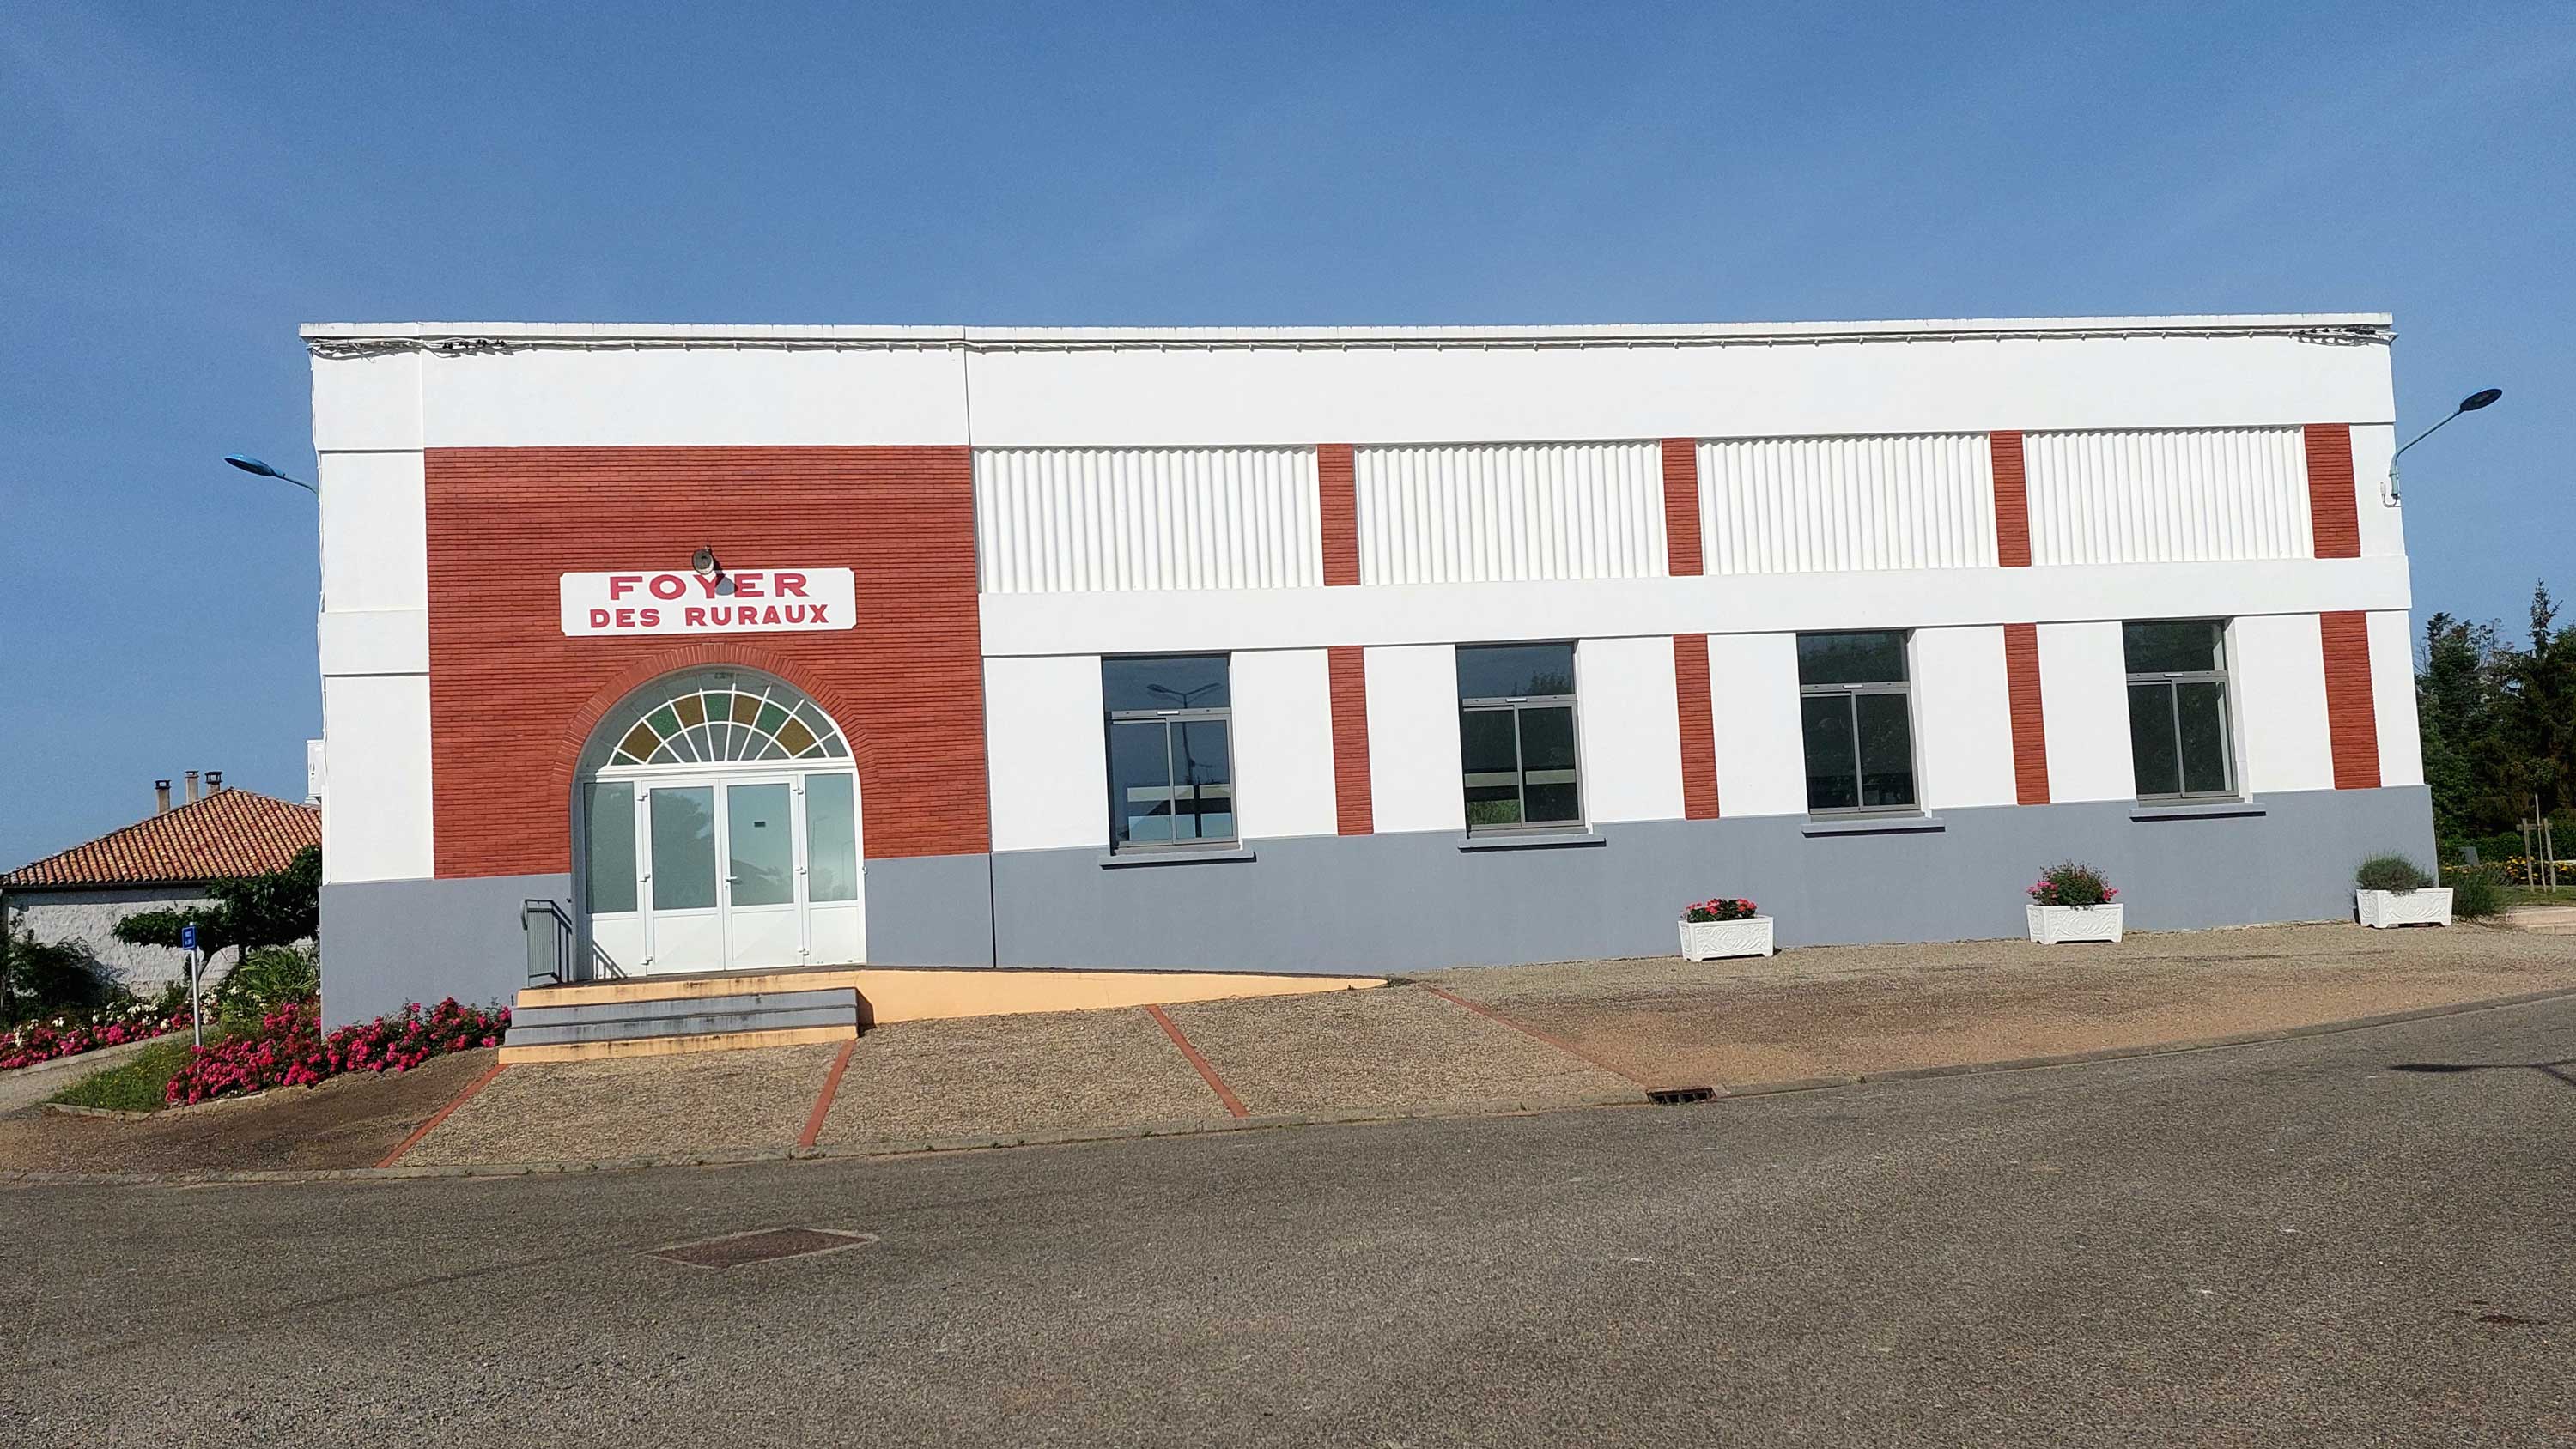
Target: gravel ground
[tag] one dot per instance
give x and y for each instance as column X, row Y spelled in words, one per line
column 1003, row 1076
column 1398, row 1048
column 350, row 1121
column 1855, row 1009
column 634, row 1106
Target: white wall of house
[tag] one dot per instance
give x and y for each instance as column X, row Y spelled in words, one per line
column 87, row 919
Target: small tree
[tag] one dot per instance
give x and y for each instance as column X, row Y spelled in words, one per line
column 276, row 909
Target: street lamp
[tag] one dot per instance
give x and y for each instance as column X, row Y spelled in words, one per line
column 253, row 465
column 2483, row 397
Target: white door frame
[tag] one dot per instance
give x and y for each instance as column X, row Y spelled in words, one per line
column 718, row 780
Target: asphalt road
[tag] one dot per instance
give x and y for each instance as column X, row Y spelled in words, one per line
column 2276, row 1244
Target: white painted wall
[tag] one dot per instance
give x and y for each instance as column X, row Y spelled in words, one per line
column 1415, row 774
column 1806, row 505
column 2383, row 523
column 1055, row 520
column 2168, row 496
column 1627, row 728
column 2084, row 696
column 1962, row 719
column 1283, row 743
column 2392, row 698
column 363, row 404
column 1499, row 513
column 86, row 919
column 1613, row 608
column 1753, row 699
column 543, row 397
column 2276, row 671
column 374, row 532
column 376, row 815
column 1047, row 761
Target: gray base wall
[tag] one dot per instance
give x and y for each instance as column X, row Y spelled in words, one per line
column 1396, row 903
column 386, row 943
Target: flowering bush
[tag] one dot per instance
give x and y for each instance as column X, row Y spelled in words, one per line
column 289, row 1049
column 1719, row 909
column 2070, row 884
column 42, row 1041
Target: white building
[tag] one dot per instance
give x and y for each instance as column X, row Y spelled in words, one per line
column 1340, row 650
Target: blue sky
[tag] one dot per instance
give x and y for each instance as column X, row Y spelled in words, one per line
column 181, row 185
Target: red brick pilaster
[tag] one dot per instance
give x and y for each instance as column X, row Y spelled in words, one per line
column 1698, row 725
column 1348, row 664
column 2333, row 512
column 1340, row 507
column 2029, row 722
column 2352, row 718
column 1681, row 510
column 2012, row 501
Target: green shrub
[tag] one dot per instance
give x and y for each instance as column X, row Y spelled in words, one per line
column 266, row 979
column 2476, row 894
column 44, row 979
column 2068, row 883
column 2390, row 873
column 140, row 1083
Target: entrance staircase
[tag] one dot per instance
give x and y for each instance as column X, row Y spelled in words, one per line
column 649, row 1018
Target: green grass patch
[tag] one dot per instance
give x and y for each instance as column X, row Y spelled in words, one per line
column 136, row 1084
column 2536, row 896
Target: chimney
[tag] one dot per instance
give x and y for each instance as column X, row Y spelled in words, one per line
column 160, row 797
column 214, row 781
column 192, row 787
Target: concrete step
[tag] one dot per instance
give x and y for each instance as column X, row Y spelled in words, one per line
column 743, row 1003
column 696, row 1024
column 2547, row 920
column 742, row 1016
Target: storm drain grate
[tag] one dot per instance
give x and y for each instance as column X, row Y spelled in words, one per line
column 761, row 1245
column 1679, row 1096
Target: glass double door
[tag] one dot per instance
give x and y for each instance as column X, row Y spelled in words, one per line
column 731, row 873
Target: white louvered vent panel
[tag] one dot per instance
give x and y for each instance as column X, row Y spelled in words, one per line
column 1823, row 505
column 1080, row 520
column 1501, row 512
column 2167, row 497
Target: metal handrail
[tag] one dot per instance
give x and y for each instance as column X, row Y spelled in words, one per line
column 550, row 941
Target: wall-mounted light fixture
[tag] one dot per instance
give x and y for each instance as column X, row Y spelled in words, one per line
column 703, row 563
column 2483, row 397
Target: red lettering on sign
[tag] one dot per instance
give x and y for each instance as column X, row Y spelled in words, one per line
column 818, row 613
column 620, row 585
column 599, row 618
column 746, row 586
column 694, row 617
column 652, row 617
column 789, row 586
column 676, row 589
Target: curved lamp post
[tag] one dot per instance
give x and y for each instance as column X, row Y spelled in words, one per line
column 253, row 465
column 2474, row 401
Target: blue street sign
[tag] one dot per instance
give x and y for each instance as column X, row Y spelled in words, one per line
column 188, row 937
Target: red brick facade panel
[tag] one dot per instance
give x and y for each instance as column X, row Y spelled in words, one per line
column 1339, row 506
column 2333, row 512
column 1681, row 506
column 2029, row 722
column 1699, row 727
column 2012, row 501
column 512, row 699
column 2352, row 718
column 1348, row 668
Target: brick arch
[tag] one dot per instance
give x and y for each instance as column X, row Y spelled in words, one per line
column 577, row 731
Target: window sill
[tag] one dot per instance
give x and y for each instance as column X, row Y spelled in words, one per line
column 1873, row 824
column 1530, row 840
column 1122, row 859
column 2196, row 810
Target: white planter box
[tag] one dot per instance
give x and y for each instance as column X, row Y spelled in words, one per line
column 2430, row 906
column 1708, row 940
column 2052, row 924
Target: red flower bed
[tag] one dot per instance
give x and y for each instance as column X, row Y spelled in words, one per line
column 43, row 1041
column 289, row 1049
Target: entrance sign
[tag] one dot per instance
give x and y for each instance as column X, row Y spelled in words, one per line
column 738, row 601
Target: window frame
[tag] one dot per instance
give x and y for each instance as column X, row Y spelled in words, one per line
column 1222, row 715
column 2172, row 680
column 1851, row 713
column 1514, row 704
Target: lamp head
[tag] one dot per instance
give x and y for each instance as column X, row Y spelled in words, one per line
column 703, row 562
column 252, row 465
column 2480, row 398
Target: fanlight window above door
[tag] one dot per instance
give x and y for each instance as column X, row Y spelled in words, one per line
column 724, row 719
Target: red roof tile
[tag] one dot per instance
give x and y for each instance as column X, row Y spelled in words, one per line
column 228, row 834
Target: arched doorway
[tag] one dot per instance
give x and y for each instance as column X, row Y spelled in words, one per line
column 717, row 829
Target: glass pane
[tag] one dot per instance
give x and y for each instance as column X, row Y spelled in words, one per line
column 691, row 708
column 684, row 847
column 1491, row 755
column 1886, row 751
column 1877, row 658
column 760, row 845
column 1195, row 681
column 771, row 717
column 608, row 873
column 2183, row 646
column 831, row 838
column 1140, row 783
column 2203, row 708
column 2151, row 740
column 1502, row 671
column 1204, row 807
column 1547, row 765
column 1833, row 774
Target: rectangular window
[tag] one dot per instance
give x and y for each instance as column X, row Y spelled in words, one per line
column 1171, row 751
column 1856, row 711
column 2178, row 735
column 608, row 851
column 1516, row 736
column 831, row 838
